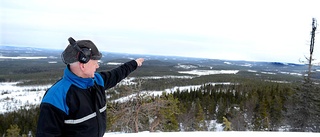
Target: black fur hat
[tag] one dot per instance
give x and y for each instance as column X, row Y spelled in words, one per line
column 71, row 53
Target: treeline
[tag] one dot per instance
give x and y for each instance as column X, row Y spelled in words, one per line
column 21, row 122
column 31, row 72
column 253, row 106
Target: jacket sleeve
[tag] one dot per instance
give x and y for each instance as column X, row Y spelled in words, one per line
column 114, row 76
column 50, row 122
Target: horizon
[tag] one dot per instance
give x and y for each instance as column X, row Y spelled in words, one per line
column 268, row 31
column 49, row 48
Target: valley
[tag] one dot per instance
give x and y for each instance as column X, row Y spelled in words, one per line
column 26, row 73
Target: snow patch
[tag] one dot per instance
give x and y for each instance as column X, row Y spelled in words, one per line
column 114, row 63
column 186, row 66
column 209, row 72
column 3, row 57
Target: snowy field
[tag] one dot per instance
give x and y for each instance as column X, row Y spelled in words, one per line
column 171, row 90
column 214, row 134
column 13, row 97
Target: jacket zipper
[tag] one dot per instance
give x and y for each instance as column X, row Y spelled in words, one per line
column 96, row 102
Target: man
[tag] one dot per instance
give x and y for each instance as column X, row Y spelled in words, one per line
column 75, row 106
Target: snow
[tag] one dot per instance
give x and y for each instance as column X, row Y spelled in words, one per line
column 13, row 97
column 20, row 57
column 186, row 66
column 129, row 80
column 168, row 76
column 291, row 73
column 209, row 72
column 158, row 93
column 271, row 73
column 229, row 63
column 247, row 65
column 215, row 134
column 277, row 81
column 254, row 71
column 114, row 63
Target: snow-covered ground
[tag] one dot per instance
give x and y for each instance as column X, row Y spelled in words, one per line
column 13, row 97
column 156, row 93
column 21, row 57
column 214, row 134
column 209, row 72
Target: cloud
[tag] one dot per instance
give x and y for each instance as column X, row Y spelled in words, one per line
column 248, row 29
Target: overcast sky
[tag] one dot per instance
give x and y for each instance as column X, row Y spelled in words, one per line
column 253, row 30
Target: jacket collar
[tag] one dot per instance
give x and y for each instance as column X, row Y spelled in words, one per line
column 76, row 80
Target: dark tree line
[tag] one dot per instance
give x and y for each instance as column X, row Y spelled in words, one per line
column 24, row 119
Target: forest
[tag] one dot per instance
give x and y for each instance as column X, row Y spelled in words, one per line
column 254, row 106
column 248, row 104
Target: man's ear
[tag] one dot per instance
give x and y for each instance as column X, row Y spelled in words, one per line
column 82, row 66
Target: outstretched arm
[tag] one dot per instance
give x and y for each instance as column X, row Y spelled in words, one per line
column 112, row 77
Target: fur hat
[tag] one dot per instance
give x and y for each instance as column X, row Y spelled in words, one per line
column 81, row 47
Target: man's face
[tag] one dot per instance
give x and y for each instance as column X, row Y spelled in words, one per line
column 90, row 68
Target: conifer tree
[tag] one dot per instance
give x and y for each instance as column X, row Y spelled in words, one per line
column 227, row 124
column 275, row 109
column 304, row 112
column 199, row 117
column 169, row 112
column 222, row 106
column 13, row 131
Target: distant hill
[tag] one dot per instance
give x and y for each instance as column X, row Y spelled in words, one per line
column 53, row 55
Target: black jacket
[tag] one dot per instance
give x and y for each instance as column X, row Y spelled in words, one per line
column 76, row 107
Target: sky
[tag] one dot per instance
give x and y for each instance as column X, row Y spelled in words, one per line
column 264, row 30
